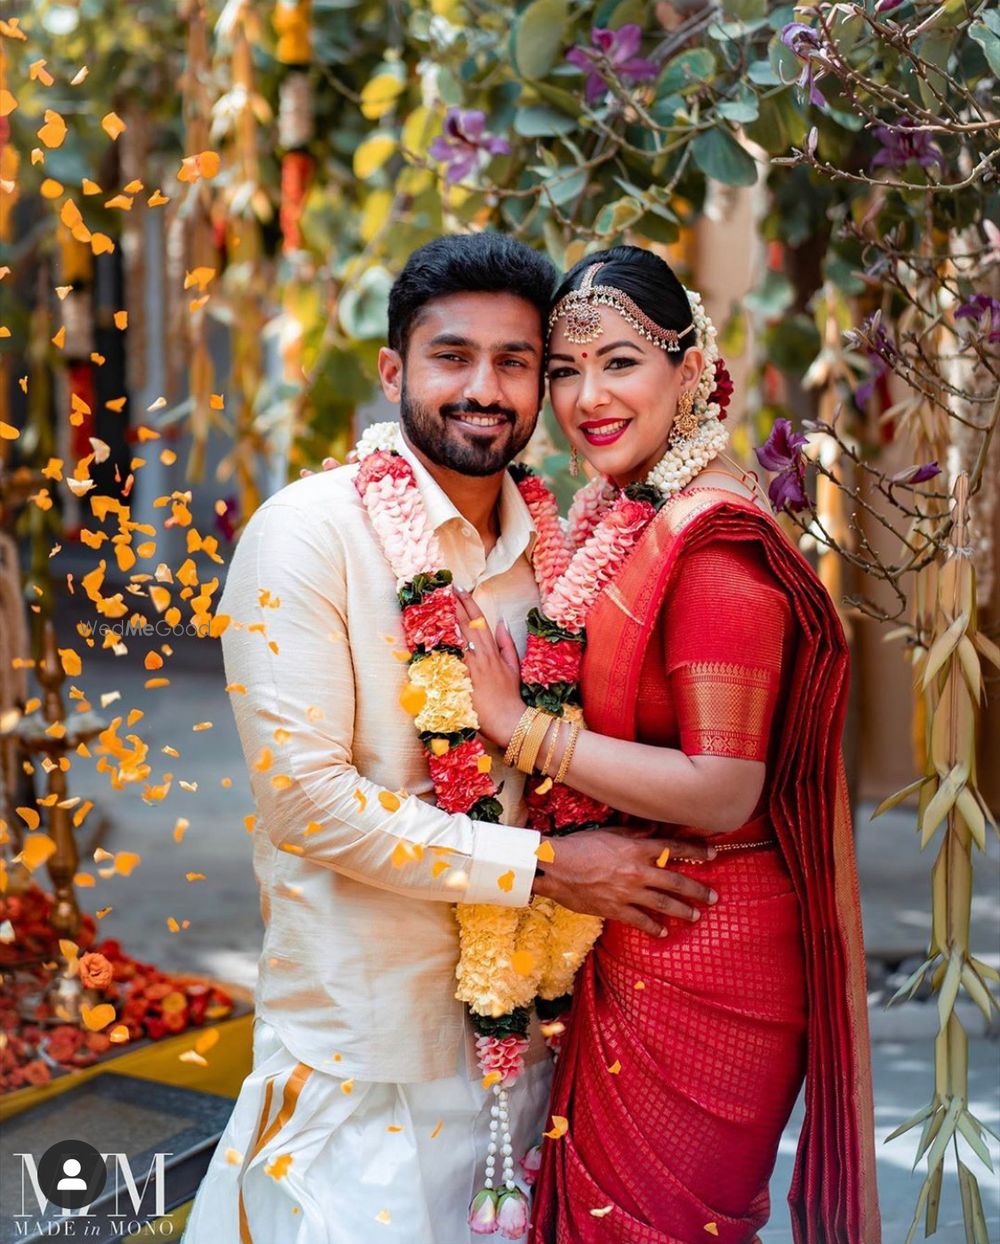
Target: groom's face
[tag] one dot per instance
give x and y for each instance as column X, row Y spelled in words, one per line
column 469, row 384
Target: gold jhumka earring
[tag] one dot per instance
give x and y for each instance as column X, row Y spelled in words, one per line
column 685, row 420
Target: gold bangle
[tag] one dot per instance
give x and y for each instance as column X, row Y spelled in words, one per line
column 516, row 739
column 552, row 747
column 574, row 734
column 533, row 742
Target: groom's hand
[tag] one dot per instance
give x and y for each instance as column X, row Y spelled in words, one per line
column 607, row 873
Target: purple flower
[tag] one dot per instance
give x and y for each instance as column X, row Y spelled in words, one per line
column 512, row 1214
column 982, row 307
column 917, row 474
column 900, row 145
column 782, row 453
column 616, row 50
column 483, row 1212
column 463, row 139
column 880, row 351
column 807, row 44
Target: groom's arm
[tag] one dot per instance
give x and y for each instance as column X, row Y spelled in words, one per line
column 296, row 725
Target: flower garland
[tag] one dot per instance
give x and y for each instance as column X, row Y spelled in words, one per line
column 508, row 957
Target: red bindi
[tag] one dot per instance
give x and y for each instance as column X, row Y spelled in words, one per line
column 583, row 353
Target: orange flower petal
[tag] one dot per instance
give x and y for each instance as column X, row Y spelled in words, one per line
column 98, row 1017
column 113, row 125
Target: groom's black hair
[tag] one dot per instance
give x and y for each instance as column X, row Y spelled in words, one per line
column 467, row 263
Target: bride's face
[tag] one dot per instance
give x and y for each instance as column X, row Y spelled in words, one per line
column 615, row 397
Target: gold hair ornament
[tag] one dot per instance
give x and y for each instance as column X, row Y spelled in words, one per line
column 583, row 320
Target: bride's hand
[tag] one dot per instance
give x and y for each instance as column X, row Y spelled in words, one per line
column 495, row 670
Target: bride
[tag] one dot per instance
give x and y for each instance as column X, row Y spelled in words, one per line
column 714, row 681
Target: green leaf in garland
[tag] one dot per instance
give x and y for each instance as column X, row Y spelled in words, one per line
column 422, row 585
column 420, row 652
column 514, row 1024
column 456, row 737
column 553, row 698
column 545, row 628
column 645, row 492
column 486, row 809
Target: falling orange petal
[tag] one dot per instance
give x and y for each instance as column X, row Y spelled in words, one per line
column 560, row 1127
column 661, row 861
column 98, row 1017
column 71, row 663
column 506, row 882
column 29, row 816
column 388, row 800
column 127, row 861
column 412, row 699
column 53, row 132
column 615, row 1068
column 522, row 961
column 113, row 125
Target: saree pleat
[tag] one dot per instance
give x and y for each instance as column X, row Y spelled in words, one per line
column 684, row 1055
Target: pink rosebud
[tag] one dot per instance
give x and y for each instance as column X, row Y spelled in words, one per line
column 512, row 1214
column 531, row 1164
column 483, row 1213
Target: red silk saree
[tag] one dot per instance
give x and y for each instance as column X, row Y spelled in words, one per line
column 684, row 1055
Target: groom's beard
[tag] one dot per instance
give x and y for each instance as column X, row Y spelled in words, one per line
column 446, row 443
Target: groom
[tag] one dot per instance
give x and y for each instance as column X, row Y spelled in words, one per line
column 364, row 1117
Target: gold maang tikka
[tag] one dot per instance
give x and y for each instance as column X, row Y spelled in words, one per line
column 583, row 321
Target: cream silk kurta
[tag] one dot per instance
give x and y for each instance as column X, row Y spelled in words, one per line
column 357, row 972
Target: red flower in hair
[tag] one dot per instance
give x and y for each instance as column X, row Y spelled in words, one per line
column 723, row 391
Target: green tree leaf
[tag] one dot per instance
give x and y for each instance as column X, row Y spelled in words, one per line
column 538, row 37
column 720, row 157
column 987, row 34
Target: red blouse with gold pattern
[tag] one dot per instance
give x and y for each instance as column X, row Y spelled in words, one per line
column 712, row 678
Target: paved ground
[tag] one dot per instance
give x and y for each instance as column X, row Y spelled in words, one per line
column 224, row 933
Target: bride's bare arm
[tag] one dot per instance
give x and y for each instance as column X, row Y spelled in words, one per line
column 713, row 794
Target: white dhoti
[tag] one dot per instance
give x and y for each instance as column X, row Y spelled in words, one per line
column 317, row 1159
